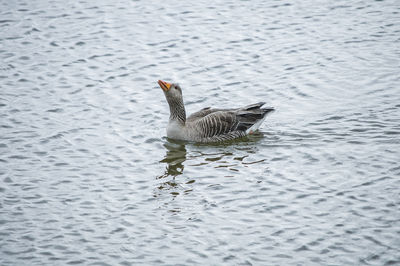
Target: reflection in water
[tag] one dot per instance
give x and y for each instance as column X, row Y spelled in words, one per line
column 176, row 154
column 224, row 154
column 174, row 158
column 232, row 155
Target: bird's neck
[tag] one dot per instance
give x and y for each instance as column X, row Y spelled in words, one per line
column 177, row 112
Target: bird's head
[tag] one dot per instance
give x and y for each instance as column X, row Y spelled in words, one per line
column 171, row 90
column 173, row 94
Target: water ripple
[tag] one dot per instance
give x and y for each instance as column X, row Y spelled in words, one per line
column 87, row 176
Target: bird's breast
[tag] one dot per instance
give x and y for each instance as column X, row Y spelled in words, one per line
column 176, row 130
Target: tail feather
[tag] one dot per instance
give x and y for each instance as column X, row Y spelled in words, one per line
column 253, row 106
column 250, row 117
column 268, row 109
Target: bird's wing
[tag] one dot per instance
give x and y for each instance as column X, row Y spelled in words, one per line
column 216, row 122
column 208, row 110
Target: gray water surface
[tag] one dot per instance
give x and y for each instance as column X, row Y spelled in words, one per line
column 88, row 177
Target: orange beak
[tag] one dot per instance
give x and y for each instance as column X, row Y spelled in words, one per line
column 164, row 85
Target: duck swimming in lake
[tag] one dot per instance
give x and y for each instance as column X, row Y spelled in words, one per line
column 210, row 124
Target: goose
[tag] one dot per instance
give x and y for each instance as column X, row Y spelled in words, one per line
column 210, row 124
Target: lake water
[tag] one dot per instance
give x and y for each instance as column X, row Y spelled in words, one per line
column 88, row 177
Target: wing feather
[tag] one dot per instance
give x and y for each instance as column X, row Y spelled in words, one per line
column 215, row 123
column 220, row 124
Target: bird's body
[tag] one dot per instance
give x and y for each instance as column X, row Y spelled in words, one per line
column 210, row 124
